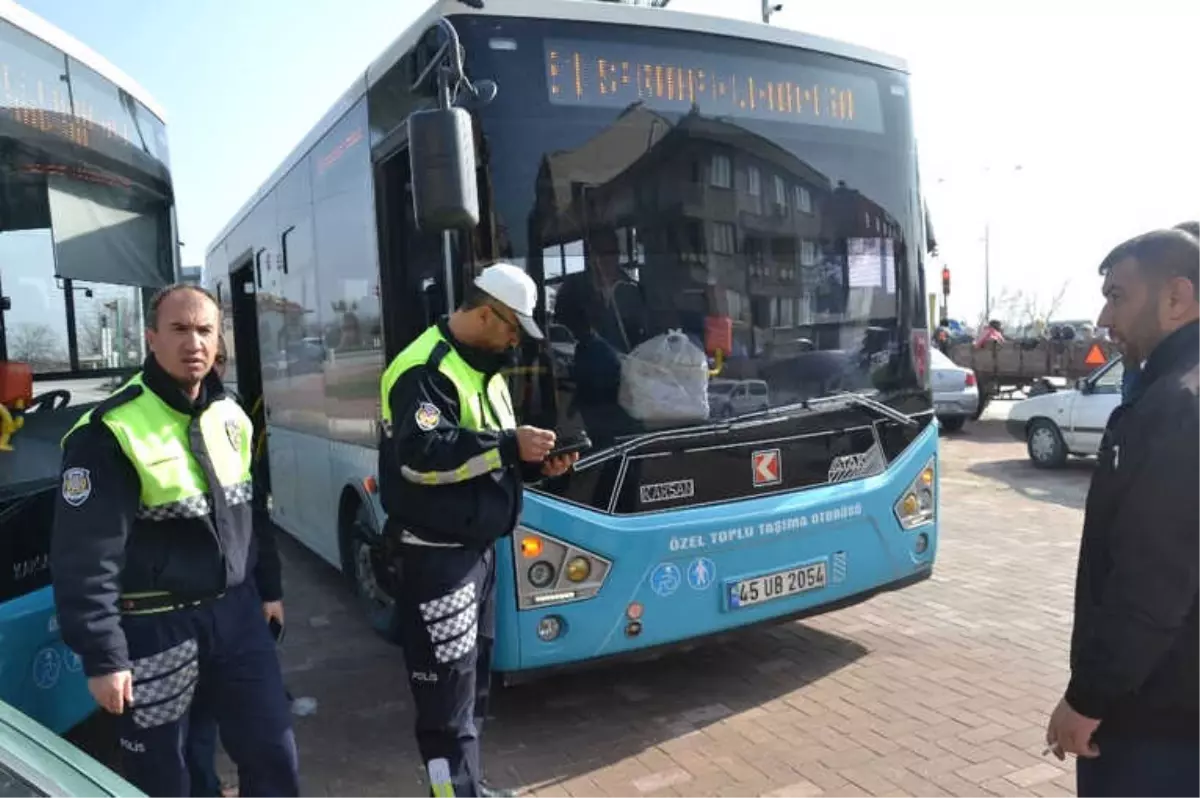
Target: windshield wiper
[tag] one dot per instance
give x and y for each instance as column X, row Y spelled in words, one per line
column 618, row 449
column 761, row 417
column 821, row 402
column 867, row 402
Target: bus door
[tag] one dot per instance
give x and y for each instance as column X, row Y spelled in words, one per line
column 412, row 268
column 249, row 364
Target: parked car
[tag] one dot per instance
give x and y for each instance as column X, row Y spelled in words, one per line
column 730, row 398
column 36, row 762
column 1059, row 423
column 955, row 391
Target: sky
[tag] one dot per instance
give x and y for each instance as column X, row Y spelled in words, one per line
column 1095, row 103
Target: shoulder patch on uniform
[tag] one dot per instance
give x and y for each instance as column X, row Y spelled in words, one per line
column 233, row 431
column 76, row 486
column 427, row 416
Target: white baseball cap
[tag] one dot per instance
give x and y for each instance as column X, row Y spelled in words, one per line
column 515, row 289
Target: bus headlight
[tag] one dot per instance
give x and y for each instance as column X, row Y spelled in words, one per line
column 578, row 569
column 559, row 572
column 917, row 505
column 541, row 574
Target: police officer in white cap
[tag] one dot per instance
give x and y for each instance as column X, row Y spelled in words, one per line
column 452, row 461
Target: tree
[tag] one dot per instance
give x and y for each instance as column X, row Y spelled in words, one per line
column 1023, row 310
column 38, row 345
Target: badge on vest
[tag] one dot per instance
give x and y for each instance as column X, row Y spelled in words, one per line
column 76, row 486
column 233, row 431
column 427, row 416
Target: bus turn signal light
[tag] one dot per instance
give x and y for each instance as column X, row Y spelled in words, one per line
column 917, row 505
column 531, row 546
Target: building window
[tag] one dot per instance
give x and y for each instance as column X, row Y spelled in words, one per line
column 720, row 172
column 723, row 238
column 803, row 200
column 808, row 252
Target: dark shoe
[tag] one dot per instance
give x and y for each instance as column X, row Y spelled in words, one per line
column 488, row 791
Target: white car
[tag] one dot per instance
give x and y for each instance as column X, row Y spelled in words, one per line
column 1061, row 423
column 955, row 391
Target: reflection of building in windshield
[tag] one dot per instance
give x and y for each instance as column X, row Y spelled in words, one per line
column 709, row 218
column 651, row 226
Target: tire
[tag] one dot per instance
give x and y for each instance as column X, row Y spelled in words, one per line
column 954, row 423
column 373, row 570
column 1045, row 445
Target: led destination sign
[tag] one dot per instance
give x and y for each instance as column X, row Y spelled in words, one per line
column 616, row 75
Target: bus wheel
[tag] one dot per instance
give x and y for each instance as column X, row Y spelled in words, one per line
column 374, row 569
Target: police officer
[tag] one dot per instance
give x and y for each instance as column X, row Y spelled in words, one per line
column 152, row 556
column 452, row 462
column 201, row 745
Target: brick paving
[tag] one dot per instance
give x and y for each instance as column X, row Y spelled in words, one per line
column 942, row 689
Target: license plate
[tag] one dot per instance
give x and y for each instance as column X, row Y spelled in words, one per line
column 780, row 584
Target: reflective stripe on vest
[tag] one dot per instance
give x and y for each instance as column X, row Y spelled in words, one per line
column 155, row 439
column 479, row 409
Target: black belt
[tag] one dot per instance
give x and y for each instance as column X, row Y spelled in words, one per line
column 141, row 605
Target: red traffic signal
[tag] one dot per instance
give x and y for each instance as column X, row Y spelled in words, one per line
column 946, row 281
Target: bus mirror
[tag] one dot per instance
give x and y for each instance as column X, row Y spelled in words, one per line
column 442, row 155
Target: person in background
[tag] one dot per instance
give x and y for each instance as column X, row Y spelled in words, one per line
column 992, row 331
column 1130, row 711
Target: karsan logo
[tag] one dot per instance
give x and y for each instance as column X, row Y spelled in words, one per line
column 767, row 467
column 666, row 491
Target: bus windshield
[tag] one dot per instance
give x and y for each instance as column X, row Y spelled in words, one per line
column 676, row 194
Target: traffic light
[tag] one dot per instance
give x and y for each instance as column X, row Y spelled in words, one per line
column 946, row 280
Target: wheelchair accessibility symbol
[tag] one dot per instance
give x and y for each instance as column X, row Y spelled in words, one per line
column 665, row 579
column 46, row 668
column 701, row 573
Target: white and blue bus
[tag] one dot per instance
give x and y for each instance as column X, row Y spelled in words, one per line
column 725, row 223
column 87, row 234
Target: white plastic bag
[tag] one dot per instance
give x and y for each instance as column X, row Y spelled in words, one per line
column 665, row 379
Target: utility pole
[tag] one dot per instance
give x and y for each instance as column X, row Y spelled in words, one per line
column 769, row 8
column 987, row 268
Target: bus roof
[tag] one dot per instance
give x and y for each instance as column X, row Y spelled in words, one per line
column 39, row 28
column 577, row 10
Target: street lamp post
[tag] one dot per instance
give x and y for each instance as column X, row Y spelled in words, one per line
column 769, row 8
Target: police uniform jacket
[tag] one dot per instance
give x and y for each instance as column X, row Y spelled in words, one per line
column 1134, row 647
column 153, row 511
column 449, row 465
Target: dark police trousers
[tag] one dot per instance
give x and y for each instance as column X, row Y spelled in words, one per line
column 1142, row 766
column 219, row 658
column 447, row 614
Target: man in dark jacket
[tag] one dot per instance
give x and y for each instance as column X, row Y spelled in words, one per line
column 155, row 563
column 201, row 746
column 1130, row 712
column 452, row 460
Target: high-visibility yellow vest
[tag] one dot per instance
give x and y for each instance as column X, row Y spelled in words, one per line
column 481, row 407
column 155, row 438
column 476, row 402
